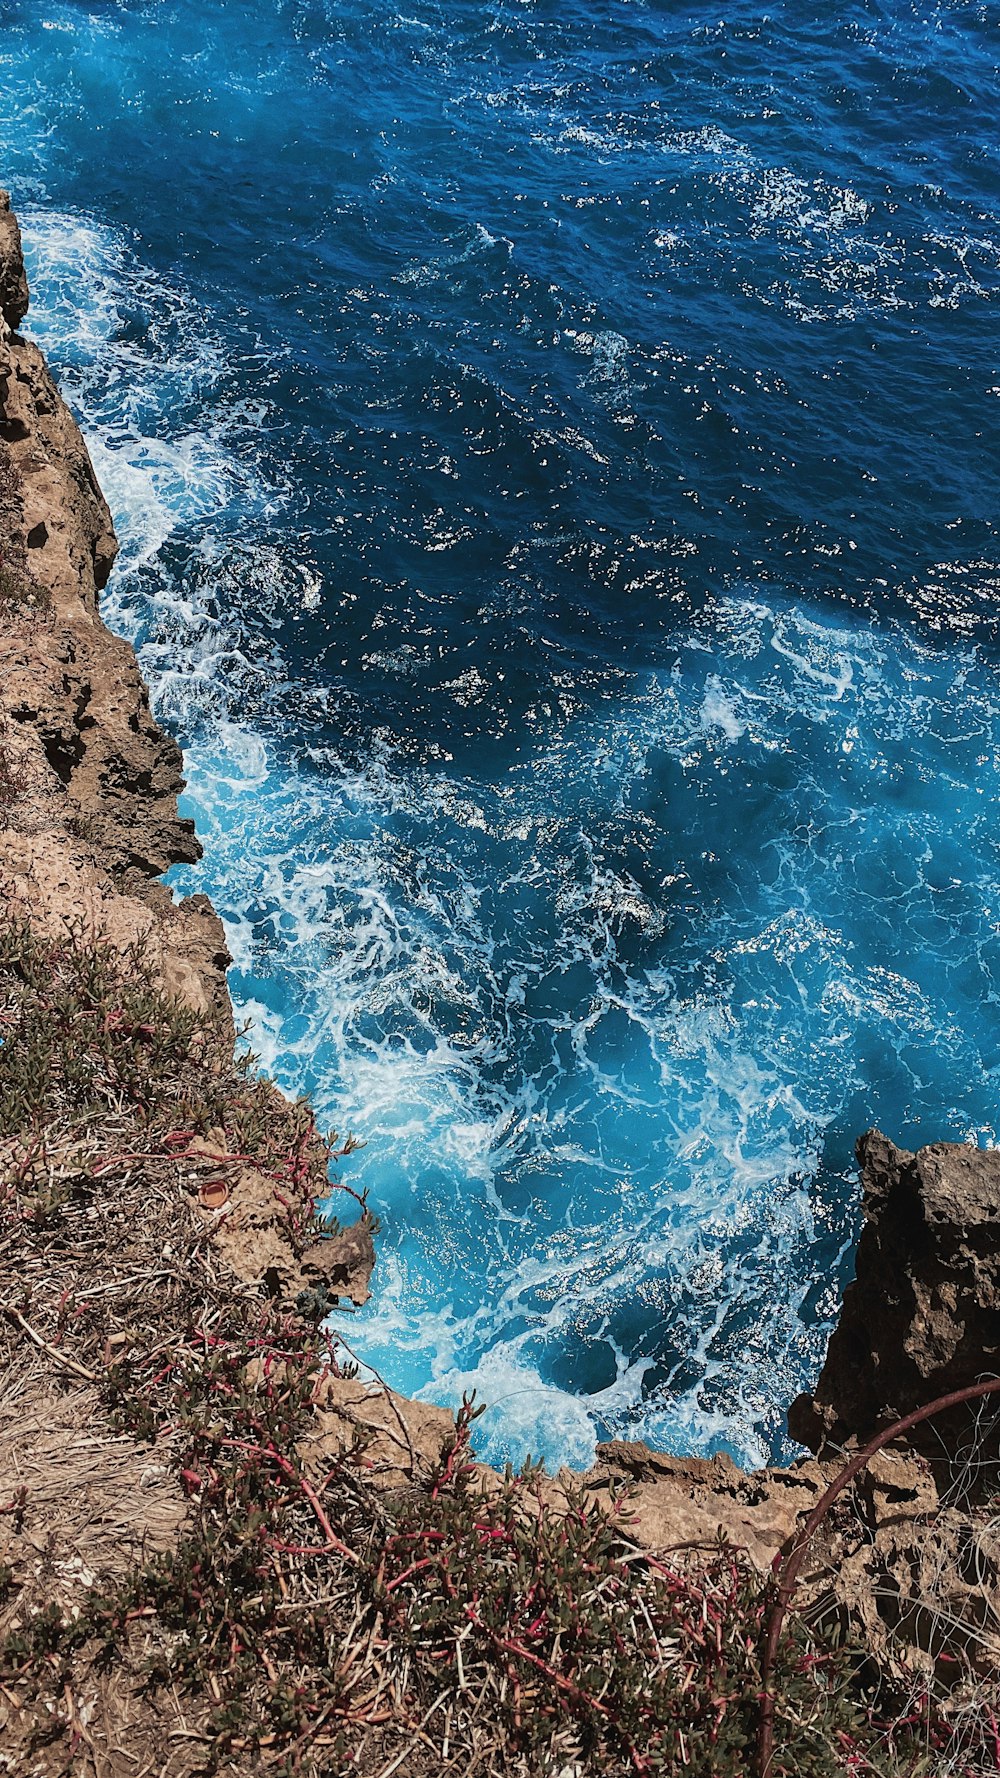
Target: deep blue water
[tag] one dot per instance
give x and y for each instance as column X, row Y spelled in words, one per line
column 556, row 451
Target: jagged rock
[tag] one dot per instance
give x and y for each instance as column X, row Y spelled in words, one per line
column 253, row 1232
column 13, row 279
column 694, row 1500
column 393, row 1439
column 923, row 1315
column 341, row 1265
column 88, row 811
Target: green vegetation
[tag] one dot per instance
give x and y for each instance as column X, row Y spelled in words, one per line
column 303, row 1620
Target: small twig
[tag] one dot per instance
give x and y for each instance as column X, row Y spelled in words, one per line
column 83, row 1296
column 61, row 1358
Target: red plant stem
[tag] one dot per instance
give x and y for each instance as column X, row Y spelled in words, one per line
column 788, row 1569
column 337, row 1185
column 120, row 1160
column 30, row 1154
column 287, row 1468
column 414, row 1568
column 510, row 1647
column 996, row 1740
column 311, row 1549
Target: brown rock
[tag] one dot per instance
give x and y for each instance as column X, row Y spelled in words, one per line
column 341, row 1265
column 923, row 1315
column 395, row 1441
column 254, row 1234
column 13, row 279
column 678, row 1501
column 88, row 780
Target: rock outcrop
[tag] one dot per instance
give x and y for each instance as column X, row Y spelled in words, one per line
column 695, row 1500
column 13, row 279
column 88, row 780
column 923, row 1316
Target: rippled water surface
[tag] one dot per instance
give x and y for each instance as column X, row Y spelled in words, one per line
column 556, row 456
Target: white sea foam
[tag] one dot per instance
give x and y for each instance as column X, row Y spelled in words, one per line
column 679, row 1104
column 598, row 1025
column 133, row 351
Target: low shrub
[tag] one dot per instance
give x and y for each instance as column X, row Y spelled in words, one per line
column 303, row 1621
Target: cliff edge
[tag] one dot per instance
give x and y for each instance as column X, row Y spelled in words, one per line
column 88, row 780
column 222, row 1546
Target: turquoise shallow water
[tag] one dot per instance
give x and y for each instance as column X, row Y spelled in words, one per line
column 556, row 460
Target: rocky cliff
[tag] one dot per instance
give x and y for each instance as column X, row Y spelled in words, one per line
column 88, row 824
column 88, row 780
column 169, row 1281
column 922, row 1318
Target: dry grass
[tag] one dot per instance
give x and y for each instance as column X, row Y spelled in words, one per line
column 185, row 1589
column 113, row 1503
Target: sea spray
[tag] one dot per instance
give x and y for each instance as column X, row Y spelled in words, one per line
column 558, row 517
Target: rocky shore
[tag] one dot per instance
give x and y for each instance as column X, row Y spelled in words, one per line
column 88, row 825
column 91, row 824
column 90, row 779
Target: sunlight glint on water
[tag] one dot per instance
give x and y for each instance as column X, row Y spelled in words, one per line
column 592, row 715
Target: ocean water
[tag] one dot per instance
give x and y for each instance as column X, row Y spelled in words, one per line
column 556, row 453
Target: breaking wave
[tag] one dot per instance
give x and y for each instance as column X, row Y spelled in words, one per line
column 591, row 716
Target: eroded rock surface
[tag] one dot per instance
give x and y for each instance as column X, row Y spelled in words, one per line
column 249, row 1218
column 88, row 779
column 694, row 1500
column 13, row 281
column 923, row 1316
